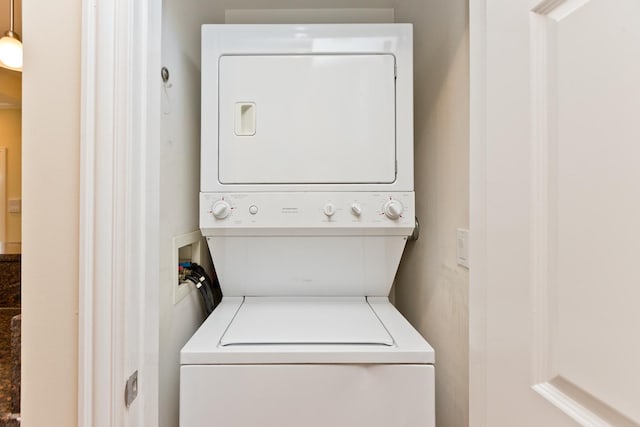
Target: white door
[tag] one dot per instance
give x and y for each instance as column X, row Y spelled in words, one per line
column 314, row 117
column 555, row 213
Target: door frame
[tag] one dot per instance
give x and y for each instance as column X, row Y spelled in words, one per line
column 478, row 280
column 119, row 216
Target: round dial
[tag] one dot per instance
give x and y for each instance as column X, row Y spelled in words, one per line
column 393, row 209
column 329, row 209
column 221, row 209
column 356, row 209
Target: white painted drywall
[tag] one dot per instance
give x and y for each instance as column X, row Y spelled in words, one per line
column 179, row 186
column 51, row 146
column 431, row 289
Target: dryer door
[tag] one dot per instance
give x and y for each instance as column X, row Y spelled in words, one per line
column 307, row 119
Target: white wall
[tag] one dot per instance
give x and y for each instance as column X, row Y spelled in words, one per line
column 179, row 186
column 431, row 289
column 51, row 140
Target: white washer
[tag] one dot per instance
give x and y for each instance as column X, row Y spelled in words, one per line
column 348, row 362
column 307, row 203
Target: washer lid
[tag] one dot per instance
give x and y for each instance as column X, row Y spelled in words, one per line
column 306, row 321
column 205, row 347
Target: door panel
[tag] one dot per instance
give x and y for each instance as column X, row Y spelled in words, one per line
column 594, row 203
column 555, row 212
column 317, row 118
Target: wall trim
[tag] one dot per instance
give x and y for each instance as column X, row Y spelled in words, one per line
column 86, row 244
column 118, row 265
column 478, row 275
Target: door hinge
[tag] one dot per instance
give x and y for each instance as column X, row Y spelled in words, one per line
column 131, row 389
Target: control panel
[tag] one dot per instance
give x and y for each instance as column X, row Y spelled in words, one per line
column 378, row 212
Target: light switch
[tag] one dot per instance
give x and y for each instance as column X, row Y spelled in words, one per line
column 462, row 245
column 15, row 205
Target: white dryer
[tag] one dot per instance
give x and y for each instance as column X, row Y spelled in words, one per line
column 306, row 203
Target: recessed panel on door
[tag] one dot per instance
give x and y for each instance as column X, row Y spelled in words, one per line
column 306, row 119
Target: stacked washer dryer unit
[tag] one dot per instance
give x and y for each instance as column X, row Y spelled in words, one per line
column 307, row 203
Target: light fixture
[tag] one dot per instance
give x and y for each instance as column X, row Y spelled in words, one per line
column 11, row 47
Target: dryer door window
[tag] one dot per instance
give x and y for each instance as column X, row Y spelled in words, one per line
column 307, row 119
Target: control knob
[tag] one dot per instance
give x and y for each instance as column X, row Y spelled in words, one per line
column 329, row 210
column 221, row 209
column 393, row 209
column 356, row 209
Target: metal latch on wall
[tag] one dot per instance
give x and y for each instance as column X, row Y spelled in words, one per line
column 131, row 389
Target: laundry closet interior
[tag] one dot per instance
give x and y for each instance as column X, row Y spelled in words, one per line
column 431, row 286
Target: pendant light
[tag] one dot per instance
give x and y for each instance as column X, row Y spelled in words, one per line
column 11, row 47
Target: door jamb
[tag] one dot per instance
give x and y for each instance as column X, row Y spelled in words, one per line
column 119, row 196
column 477, row 213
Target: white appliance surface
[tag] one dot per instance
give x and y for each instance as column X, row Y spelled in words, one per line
column 306, row 203
column 306, row 243
column 306, row 213
column 316, row 395
column 307, row 108
column 307, row 119
column 206, row 346
column 306, row 321
column 304, row 266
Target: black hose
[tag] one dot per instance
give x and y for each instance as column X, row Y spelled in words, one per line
column 205, row 294
column 210, row 291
